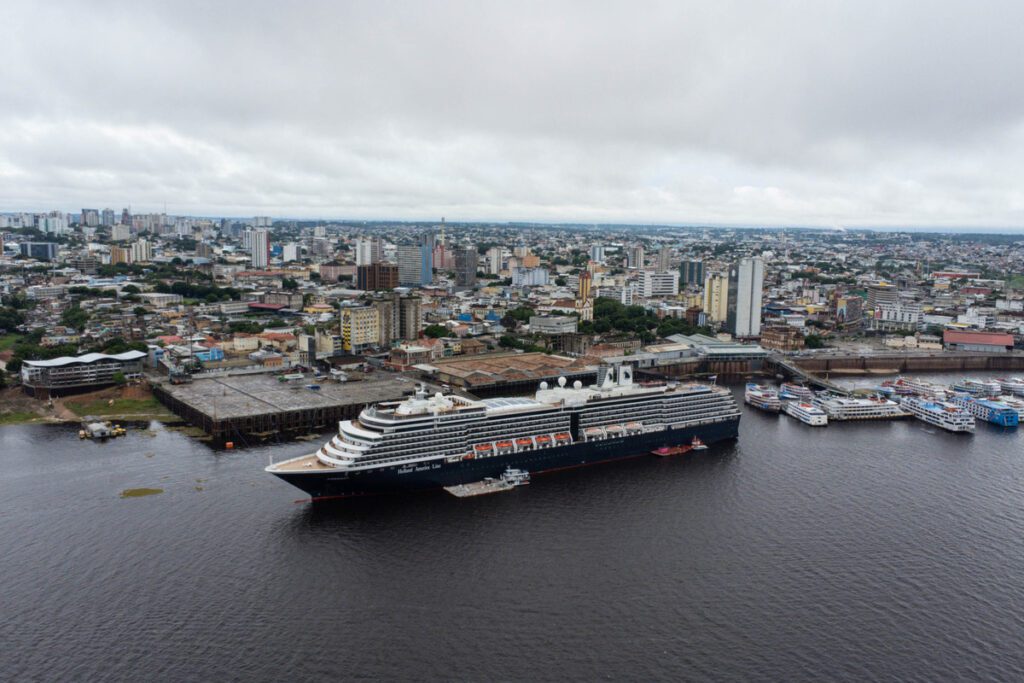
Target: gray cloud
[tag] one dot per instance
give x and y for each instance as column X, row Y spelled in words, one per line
column 790, row 112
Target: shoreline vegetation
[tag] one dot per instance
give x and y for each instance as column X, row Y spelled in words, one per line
column 129, row 404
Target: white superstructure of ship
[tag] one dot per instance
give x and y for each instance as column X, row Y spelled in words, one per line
column 941, row 414
column 918, row 387
column 806, row 413
column 978, row 387
column 842, row 408
column 762, row 397
column 1011, row 385
column 798, row 392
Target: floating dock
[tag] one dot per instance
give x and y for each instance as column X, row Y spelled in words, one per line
column 479, row 488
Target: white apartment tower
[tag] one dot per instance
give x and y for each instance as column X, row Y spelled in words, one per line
column 746, row 289
column 260, row 249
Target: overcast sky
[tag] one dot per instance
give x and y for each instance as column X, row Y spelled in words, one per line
column 800, row 113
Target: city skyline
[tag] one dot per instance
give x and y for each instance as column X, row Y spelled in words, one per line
column 863, row 115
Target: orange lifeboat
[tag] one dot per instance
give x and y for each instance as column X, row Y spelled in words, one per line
column 543, row 440
column 524, row 442
column 562, row 437
column 504, row 444
column 482, row 447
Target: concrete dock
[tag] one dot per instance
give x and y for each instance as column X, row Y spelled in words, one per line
column 248, row 409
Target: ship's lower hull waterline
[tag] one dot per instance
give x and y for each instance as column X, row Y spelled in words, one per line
column 333, row 485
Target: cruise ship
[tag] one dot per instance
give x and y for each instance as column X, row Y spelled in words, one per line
column 795, row 392
column 1011, row 385
column 978, row 387
column 841, row 408
column 941, row 414
column 996, row 412
column 762, row 397
column 429, row 442
column 805, row 412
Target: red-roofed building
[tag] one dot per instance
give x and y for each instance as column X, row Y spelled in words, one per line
column 990, row 342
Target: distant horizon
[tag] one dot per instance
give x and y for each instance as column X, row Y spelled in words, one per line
column 578, row 224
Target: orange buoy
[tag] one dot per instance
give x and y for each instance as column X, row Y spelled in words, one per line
column 229, row 445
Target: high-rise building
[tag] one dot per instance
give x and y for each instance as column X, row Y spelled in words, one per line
column 584, row 297
column 260, row 251
column 659, row 284
column 597, row 253
column 142, row 251
column 368, row 250
column 53, row 223
column 465, row 266
column 377, row 276
column 360, row 327
column 107, row 217
column 415, row 265
column 746, row 284
column 880, row 293
column 120, row 255
column 262, row 222
column 90, row 218
column 494, row 260
column 290, row 252
column 320, row 231
column 635, row 256
column 529, row 277
column 120, row 233
column 410, row 317
column 692, row 272
column 716, row 297
column 664, row 258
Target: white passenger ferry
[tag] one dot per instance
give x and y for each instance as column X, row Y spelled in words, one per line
column 941, row 414
column 841, row 408
column 806, row 413
column 1011, row 385
column 762, row 398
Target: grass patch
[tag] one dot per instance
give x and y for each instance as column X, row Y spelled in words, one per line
column 119, row 407
column 7, row 341
column 138, row 493
column 17, row 417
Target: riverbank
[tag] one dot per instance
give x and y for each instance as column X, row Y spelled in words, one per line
column 130, row 403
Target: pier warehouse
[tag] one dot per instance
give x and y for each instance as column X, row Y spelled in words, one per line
column 989, row 342
column 69, row 374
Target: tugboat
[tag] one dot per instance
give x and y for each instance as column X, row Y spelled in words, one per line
column 695, row 445
column 666, row 451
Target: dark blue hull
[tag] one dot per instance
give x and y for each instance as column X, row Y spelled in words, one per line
column 400, row 479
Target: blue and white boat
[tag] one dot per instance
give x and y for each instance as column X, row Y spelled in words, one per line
column 941, row 414
column 996, row 412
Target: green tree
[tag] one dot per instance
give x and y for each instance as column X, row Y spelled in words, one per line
column 119, row 378
column 435, row 331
